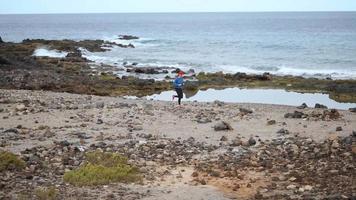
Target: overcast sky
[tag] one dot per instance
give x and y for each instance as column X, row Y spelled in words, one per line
column 105, row 6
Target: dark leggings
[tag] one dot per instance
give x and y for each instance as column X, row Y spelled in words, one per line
column 179, row 94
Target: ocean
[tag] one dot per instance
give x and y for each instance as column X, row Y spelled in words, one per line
column 310, row 44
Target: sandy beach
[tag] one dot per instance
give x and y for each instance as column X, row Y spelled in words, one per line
column 197, row 151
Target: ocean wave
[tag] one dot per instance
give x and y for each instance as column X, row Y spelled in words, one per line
column 42, row 52
column 111, row 59
column 100, row 59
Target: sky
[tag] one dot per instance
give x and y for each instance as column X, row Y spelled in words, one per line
column 113, row 6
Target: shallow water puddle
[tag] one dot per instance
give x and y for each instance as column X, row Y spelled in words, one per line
column 265, row 96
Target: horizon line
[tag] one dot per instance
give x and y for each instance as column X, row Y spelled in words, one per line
column 177, row 12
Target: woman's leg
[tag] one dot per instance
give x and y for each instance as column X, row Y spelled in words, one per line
column 179, row 94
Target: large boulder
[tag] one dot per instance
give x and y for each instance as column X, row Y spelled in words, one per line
column 223, row 126
column 1, row 41
column 4, row 61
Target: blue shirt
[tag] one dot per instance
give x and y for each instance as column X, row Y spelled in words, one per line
column 178, row 82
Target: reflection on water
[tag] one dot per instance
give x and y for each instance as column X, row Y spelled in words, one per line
column 266, row 96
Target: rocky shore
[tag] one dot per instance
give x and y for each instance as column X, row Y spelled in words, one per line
column 212, row 150
column 74, row 73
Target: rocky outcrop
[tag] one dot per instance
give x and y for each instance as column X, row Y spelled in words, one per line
column 146, row 70
column 1, row 41
column 317, row 105
column 128, row 37
column 125, row 45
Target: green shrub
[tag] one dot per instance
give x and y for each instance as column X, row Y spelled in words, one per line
column 9, row 161
column 46, row 193
column 102, row 168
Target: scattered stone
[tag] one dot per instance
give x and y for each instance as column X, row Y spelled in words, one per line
column 223, row 138
column 271, row 122
column 291, row 187
column 245, row 111
column 339, row 128
column 236, row 142
column 295, row 114
column 99, row 121
column 219, row 103
column 283, row 131
column 195, row 174
column 99, row 105
column 20, row 107
column 12, row 130
column 202, row 181
column 331, row 114
column 204, row 120
column 251, row 141
column 223, row 126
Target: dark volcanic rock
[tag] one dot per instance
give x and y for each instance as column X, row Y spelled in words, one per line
column 1, row 41
column 147, row 70
column 339, row 128
column 352, row 109
column 317, row 105
column 304, row 105
column 128, row 37
column 271, row 122
column 126, row 45
column 251, row 141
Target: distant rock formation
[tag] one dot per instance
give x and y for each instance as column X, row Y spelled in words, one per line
column 128, row 37
column 1, row 41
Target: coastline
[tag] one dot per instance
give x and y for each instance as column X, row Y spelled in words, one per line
column 76, row 74
column 54, row 111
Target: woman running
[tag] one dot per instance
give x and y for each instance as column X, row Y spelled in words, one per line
column 178, row 86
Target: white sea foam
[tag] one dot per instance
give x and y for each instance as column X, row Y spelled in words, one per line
column 40, row 52
column 316, row 73
column 141, row 42
column 100, row 59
